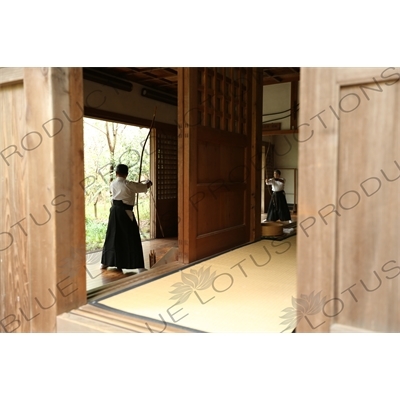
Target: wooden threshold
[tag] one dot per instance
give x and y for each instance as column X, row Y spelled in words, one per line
column 91, row 319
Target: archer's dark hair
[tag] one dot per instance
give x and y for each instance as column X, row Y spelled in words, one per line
column 122, row 169
column 277, row 170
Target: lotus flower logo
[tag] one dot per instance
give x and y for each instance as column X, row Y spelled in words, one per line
column 191, row 282
column 305, row 305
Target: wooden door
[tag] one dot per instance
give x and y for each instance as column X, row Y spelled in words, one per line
column 349, row 196
column 42, row 225
column 219, row 155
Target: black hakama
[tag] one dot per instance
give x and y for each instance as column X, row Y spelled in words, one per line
column 123, row 245
column 278, row 208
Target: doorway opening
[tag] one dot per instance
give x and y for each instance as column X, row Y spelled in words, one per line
column 107, row 144
column 148, row 155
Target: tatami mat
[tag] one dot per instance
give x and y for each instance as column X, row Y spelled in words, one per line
column 244, row 290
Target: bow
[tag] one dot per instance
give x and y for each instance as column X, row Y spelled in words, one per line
column 141, row 163
column 268, row 188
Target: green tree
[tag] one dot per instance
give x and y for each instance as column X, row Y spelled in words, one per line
column 106, row 145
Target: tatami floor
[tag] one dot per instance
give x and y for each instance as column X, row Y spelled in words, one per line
column 247, row 289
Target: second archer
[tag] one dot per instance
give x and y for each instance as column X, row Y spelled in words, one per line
column 278, row 208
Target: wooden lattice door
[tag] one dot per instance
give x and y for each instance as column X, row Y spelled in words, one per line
column 219, row 142
column 165, row 163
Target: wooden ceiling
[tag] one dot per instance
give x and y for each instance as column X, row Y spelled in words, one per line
column 165, row 79
column 273, row 75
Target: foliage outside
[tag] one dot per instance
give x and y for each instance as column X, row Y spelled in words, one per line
column 107, row 144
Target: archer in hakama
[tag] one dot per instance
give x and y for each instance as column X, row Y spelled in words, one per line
column 278, row 208
column 123, row 245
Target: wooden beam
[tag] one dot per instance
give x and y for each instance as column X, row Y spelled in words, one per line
column 282, row 132
column 277, row 79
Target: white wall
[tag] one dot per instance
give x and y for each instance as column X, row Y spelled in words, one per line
column 286, row 151
column 286, row 158
column 276, row 98
column 130, row 103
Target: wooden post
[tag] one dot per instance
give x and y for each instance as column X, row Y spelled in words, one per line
column 347, row 241
column 42, row 198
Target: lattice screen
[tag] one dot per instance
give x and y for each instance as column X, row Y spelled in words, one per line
column 167, row 166
column 222, row 98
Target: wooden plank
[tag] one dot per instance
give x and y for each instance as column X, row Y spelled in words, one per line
column 181, row 163
column 15, row 289
column 96, row 278
column 347, row 242
column 221, row 240
column 136, row 322
column 71, row 323
column 317, row 177
column 188, row 120
column 127, row 119
column 55, row 246
column 94, row 319
column 138, row 279
column 338, row 328
column 282, row 132
column 221, row 137
column 363, row 204
column 112, row 319
column 69, row 153
column 41, row 255
column 11, row 75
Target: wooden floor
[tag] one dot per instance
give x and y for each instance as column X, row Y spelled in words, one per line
column 97, row 278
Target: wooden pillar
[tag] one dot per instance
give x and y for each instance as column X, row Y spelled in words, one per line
column 256, row 153
column 42, row 233
column 186, row 120
column 349, row 173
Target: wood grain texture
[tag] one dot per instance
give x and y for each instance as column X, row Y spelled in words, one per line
column 367, row 229
column 90, row 319
column 11, row 76
column 255, row 153
column 347, row 240
column 42, row 273
column 68, row 174
column 15, row 289
column 219, row 159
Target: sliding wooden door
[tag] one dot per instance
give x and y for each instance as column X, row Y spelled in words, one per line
column 219, row 155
